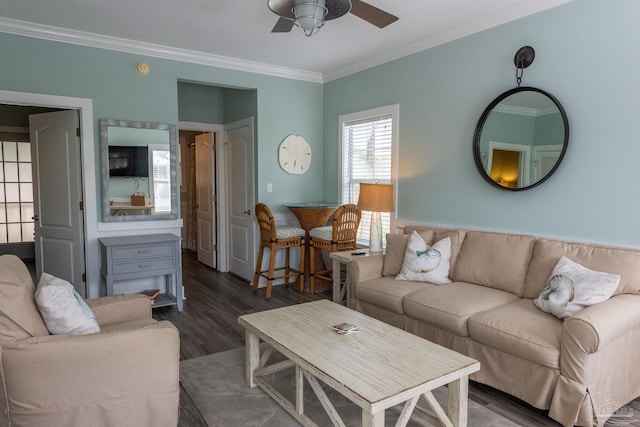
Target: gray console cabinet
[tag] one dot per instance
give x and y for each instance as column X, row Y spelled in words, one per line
column 135, row 257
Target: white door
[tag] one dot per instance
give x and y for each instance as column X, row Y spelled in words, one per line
column 57, row 190
column 545, row 158
column 239, row 163
column 205, row 199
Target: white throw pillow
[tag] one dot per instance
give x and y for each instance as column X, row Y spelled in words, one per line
column 573, row 287
column 63, row 310
column 424, row 263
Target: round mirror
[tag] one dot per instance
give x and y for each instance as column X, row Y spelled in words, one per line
column 520, row 139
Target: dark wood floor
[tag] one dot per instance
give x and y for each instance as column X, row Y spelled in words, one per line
column 208, row 324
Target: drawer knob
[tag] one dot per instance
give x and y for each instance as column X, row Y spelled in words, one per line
column 144, row 266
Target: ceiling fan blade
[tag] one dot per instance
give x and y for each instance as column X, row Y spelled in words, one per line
column 282, row 26
column 372, row 14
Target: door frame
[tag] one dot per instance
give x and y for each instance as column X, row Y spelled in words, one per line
column 84, row 106
column 220, row 188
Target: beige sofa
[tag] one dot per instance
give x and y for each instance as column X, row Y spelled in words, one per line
column 581, row 369
column 125, row 375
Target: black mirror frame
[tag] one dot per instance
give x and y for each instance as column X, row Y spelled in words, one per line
column 478, row 132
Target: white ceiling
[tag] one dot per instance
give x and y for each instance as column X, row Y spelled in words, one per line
column 218, row 30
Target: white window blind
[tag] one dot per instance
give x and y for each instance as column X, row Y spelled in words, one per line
column 367, row 152
column 160, row 178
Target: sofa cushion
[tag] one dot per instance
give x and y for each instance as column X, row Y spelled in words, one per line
column 63, row 310
column 388, row 293
column 520, row 329
column 625, row 262
column 449, row 307
column 457, row 237
column 495, row 260
column 394, row 253
column 426, row 263
column 19, row 316
column 573, row 287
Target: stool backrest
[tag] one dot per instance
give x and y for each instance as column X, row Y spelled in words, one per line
column 346, row 220
column 266, row 222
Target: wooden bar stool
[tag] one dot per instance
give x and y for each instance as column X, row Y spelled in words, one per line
column 339, row 236
column 276, row 238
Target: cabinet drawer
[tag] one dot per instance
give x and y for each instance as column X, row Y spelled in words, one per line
column 142, row 265
column 144, row 251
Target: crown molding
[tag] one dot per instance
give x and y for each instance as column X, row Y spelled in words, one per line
column 490, row 20
column 65, row 35
column 526, row 111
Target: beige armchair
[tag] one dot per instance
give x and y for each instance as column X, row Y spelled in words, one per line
column 126, row 375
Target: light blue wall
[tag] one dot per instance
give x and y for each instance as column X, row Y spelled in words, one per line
column 200, row 103
column 584, row 56
column 510, row 128
column 549, row 130
column 108, row 78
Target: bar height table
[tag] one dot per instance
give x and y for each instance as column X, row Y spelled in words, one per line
column 311, row 215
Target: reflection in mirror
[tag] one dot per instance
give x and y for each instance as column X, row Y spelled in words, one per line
column 520, row 139
column 138, row 171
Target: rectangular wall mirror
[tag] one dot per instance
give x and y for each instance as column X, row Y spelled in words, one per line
column 139, row 166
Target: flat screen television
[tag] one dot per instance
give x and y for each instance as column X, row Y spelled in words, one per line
column 125, row 161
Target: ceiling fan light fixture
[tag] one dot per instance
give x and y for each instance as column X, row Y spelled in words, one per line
column 309, row 15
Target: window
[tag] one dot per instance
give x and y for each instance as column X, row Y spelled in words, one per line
column 160, row 178
column 16, row 192
column 368, row 147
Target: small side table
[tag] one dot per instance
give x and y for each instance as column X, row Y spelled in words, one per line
column 136, row 257
column 341, row 295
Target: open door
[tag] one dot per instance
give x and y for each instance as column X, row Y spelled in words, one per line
column 205, row 199
column 241, row 224
column 57, row 190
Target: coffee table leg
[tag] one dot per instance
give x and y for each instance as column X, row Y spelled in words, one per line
column 458, row 401
column 251, row 356
column 372, row 420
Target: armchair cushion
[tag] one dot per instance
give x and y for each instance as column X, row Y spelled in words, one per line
column 62, row 309
column 19, row 316
column 288, row 232
column 322, row 233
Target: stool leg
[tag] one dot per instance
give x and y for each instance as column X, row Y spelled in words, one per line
column 272, row 264
column 287, row 270
column 256, row 276
column 301, row 275
column 312, row 269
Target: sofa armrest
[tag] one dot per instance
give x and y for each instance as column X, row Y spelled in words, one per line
column 65, row 371
column 363, row 269
column 116, row 309
column 593, row 328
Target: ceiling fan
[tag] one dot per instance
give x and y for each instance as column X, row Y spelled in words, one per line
column 310, row 15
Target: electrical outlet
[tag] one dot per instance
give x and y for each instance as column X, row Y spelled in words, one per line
column 269, row 187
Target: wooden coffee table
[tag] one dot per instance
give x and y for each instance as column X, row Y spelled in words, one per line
column 376, row 368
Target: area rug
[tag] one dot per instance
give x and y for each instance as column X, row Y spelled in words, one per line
column 216, row 385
